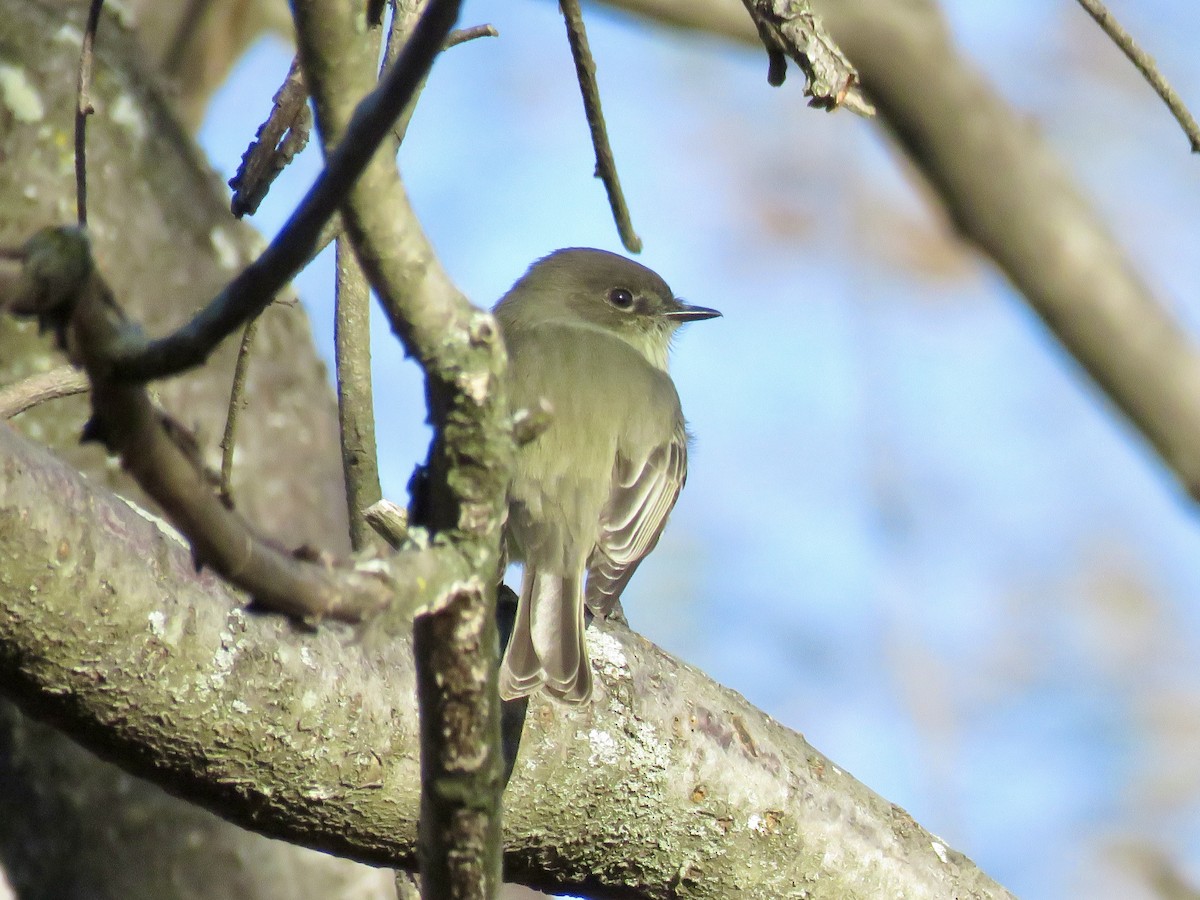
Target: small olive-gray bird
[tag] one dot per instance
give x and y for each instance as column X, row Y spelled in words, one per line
column 588, row 332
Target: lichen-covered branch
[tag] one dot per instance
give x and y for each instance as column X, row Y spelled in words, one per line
column 63, row 289
column 73, row 824
column 667, row 784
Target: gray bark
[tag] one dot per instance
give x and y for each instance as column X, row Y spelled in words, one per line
column 666, row 785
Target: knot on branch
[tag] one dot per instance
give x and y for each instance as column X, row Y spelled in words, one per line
column 790, row 28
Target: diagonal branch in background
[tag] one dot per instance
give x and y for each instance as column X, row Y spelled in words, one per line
column 1145, row 64
column 606, row 165
column 1011, row 197
column 62, row 287
column 252, row 290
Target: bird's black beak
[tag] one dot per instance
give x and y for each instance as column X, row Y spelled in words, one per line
column 684, row 312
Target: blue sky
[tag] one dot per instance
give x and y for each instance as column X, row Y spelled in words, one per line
column 911, row 531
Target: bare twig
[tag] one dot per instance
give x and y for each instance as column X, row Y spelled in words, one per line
column 285, row 132
column 84, row 107
column 389, row 520
column 356, row 414
column 1007, row 194
column 275, row 144
column 65, row 381
column 1145, row 64
column 403, row 17
column 606, row 166
column 253, row 289
column 236, row 402
column 70, row 296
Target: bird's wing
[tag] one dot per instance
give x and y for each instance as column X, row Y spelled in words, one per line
column 644, row 491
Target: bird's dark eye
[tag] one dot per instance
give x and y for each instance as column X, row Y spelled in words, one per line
column 620, row 298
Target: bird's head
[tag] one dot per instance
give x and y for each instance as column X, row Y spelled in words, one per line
column 601, row 290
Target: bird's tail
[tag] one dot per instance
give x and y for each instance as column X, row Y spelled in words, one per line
column 547, row 645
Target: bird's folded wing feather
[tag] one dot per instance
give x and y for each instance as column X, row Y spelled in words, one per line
column 644, row 491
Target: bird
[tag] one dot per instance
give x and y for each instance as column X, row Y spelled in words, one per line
column 588, row 334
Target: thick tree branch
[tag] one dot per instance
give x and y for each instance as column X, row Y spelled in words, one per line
column 109, row 632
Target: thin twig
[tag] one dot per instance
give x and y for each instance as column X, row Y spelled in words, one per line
column 236, row 402
column 399, row 29
column 462, row 35
column 254, row 288
column 1145, row 64
column 65, row 381
column 84, row 108
column 356, row 414
column 606, row 166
